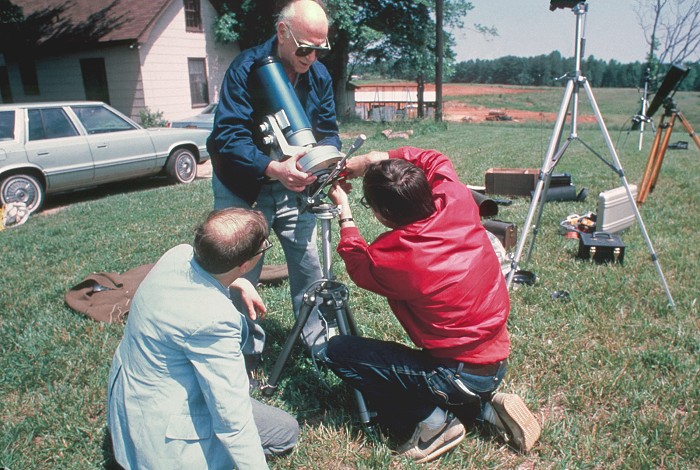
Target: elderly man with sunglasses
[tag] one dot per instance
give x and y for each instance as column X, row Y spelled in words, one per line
column 246, row 176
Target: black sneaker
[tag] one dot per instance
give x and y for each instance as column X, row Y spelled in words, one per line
column 427, row 442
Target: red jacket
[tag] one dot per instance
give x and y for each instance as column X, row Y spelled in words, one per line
column 440, row 275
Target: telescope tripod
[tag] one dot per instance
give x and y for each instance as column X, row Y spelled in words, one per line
column 641, row 118
column 331, row 298
column 555, row 153
column 659, row 146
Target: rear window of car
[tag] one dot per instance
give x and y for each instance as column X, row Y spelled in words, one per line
column 49, row 123
column 7, row 125
column 98, row 120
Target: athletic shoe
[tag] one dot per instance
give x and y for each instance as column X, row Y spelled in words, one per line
column 428, row 442
column 517, row 420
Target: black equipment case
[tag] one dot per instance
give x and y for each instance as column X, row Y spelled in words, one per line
column 602, row 247
column 506, row 232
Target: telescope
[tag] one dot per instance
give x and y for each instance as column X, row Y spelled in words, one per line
column 672, row 81
column 286, row 128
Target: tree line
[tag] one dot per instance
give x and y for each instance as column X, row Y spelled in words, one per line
column 547, row 70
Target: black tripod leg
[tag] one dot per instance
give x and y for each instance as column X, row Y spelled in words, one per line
column 269, row 388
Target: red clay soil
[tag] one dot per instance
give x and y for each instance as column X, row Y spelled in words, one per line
column 455, row 111
column 460, row 112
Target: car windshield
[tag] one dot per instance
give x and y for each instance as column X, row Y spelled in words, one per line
column 98, row 120
column 7, row 125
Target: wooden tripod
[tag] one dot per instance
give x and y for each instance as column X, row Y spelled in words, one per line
column 659, row 146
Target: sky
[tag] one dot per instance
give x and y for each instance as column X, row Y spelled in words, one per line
column 527, row 28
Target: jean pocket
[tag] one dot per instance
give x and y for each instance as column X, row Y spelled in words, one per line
column 448, row 389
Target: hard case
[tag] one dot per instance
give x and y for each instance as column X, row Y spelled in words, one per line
column 506, row 232
column 601, row 247
column 614, row 211
column 511, row 181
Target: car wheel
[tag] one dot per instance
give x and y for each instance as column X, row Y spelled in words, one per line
column 22, row 188
column 181, row 166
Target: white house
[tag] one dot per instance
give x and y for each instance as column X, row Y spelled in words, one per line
column 155, row 54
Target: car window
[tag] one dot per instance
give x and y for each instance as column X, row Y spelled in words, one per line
column 98, row 120
column 7, row 125
column 49, row 123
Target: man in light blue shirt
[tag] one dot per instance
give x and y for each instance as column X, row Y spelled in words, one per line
column 178, row 388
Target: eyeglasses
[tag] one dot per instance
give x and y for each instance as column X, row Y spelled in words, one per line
column 305, row 49
column 363, row 201
column 267, row 244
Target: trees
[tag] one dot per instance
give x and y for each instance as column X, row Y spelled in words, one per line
column 400, row 33
column 672, row 31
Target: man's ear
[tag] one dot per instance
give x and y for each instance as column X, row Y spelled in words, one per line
column 247, row 265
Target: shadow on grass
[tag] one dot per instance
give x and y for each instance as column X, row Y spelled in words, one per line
column 58, row 201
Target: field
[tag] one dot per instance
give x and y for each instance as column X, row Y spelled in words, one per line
column 611, row 373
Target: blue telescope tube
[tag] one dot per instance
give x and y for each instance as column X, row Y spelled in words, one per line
column 280, row 96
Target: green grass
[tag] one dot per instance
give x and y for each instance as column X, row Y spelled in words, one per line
column 612, row 373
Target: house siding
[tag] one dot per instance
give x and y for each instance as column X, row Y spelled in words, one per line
column 164, row 60
column 153, row 74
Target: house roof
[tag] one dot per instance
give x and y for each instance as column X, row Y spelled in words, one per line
column 101, row 20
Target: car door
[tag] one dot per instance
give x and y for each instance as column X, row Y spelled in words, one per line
column 55, row 144
column 120, row 149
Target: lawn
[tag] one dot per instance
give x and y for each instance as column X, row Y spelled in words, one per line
column 611, row 373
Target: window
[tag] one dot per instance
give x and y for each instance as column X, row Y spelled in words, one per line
column 193, row 16
column 7, row 125
column 49, row 123
column 199, row 89
column 5, row 89
column 30, row 82
column 95, row 79
column 97, row 120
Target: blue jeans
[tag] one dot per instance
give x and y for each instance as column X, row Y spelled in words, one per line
column 296, row 233
column 404, row 385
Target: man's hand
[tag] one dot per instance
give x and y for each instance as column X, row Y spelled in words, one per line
column 338, row 195
column 357, row 166
column 252, row 300
column 289, row 174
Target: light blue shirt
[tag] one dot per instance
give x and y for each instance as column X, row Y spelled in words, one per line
column 178, row 388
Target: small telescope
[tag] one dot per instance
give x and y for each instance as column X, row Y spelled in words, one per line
column 286, row 128
column 672, row 81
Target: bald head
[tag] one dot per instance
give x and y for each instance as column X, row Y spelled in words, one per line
column 301, row 22
column 304, row 14
column 228, row 238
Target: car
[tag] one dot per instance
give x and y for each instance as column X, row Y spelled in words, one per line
column 52, row 147
column 203, row 120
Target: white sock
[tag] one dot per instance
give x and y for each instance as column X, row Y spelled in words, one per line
column 436, row 418
column 490, row 415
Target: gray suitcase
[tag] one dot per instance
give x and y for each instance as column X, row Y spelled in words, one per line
column 614, row 211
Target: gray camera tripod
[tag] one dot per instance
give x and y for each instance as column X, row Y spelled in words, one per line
column 555, row 152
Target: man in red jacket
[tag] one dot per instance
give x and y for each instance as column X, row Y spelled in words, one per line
column 443, row 282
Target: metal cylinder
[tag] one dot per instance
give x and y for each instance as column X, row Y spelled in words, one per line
column 282, row 102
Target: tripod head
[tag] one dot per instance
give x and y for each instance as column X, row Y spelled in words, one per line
column 314, row 192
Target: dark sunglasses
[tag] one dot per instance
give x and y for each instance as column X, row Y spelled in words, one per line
column 267, row 244
column 305, row 49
